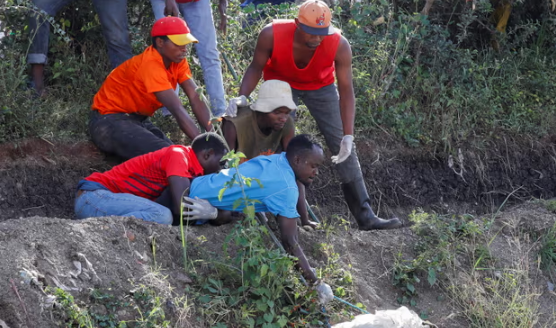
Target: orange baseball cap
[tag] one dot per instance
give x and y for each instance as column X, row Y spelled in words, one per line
column 314, row 18
column 175, row 29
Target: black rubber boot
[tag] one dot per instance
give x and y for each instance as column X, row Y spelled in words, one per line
column 359, row 205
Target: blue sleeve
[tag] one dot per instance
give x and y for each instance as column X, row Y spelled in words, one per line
column 283, row 203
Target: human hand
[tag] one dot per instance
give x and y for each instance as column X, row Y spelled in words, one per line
column 233, row 104
column 345, row 149
column 324, row 292
column 171, row 8
column 198, row 209
column 309, row 225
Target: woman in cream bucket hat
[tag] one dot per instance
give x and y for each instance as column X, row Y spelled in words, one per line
column 274, row 94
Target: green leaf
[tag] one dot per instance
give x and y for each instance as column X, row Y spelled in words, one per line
column 259, row 182
column 221, row 194
column 268, row 317
column 249, row 211
column 237, row 202
column 283, row 321
column 261, row 306
column 410, row 287
column 432, row 276
column 264, row 270
column 205, row 299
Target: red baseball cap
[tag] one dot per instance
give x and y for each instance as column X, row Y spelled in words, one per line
column 314, row 18
column 175, row 29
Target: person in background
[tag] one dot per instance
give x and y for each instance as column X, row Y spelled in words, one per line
column 119, row 122
column 198, row 15
column 113, row 18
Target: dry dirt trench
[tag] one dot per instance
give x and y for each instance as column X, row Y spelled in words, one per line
column 38, row 177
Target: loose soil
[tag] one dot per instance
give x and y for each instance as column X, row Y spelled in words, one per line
column 39, row 245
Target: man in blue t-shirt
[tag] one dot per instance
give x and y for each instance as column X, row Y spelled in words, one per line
column 277, row 194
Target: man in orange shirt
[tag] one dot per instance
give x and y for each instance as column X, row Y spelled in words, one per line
column 310, row 54
column 133, row 91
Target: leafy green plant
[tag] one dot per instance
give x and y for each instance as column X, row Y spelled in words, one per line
column 75, row 315
column 257, row 287
column 439, row 240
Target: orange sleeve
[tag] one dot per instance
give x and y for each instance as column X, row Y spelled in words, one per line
column 153, row 75
column 184, row 73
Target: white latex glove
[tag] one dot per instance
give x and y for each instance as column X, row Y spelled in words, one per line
column 198, row 209
column 345, row 149
column 325, row 293
column 231, row 110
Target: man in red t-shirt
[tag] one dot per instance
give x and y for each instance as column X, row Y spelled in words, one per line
column 133, row 91
column 307, row 52
column 132, row 188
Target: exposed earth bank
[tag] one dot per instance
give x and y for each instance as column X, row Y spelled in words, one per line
column 40, row 247
column 38, row 177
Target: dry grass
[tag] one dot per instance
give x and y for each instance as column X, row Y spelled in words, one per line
column 499, row 292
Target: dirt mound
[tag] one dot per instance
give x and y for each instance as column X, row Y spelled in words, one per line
column 109, row 259
column 104, row 254
column 113, row 257
column 116, row 255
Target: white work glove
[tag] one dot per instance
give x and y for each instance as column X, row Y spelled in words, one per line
column 345, row 149
column 231, row 110
column 325, row 293
column 198, row 209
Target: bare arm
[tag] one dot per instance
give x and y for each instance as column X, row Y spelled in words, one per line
column 287, row 138
column 170, row 100
column 345, row 86
column 230, row 134
column 171, row 8
column 254, row 72
column 179, row 187
column 288, row 230
column 199, row 108
column 302, row 205
column 222, row 8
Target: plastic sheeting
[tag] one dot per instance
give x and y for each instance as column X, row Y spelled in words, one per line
column 399, row 318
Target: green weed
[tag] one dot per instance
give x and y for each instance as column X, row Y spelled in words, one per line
column 75, row 316
column 440, row 239
column 550, row 205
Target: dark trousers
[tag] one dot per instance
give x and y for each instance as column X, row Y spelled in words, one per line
column 126, row 135
column 324, row 106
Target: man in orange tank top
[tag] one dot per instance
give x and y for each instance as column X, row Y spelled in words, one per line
column 309, row 53
column 120, row 118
